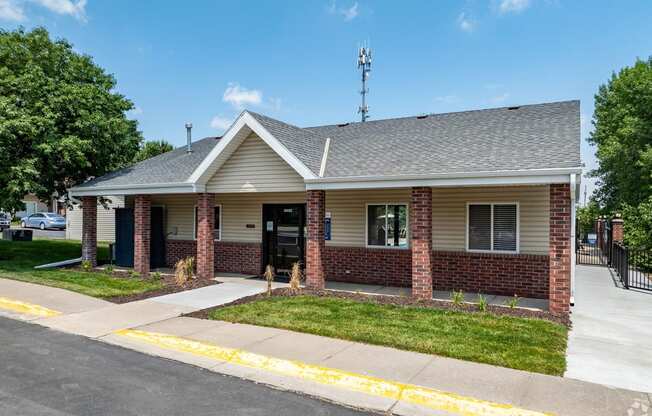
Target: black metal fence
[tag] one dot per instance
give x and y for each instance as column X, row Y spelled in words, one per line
column 633, row 266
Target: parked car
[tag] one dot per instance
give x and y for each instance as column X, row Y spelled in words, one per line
column 44, row 220
column 5, row 221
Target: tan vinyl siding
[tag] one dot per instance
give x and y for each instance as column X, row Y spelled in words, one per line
column 105, row 220
column 348, row 212
column 449, row 215
column 238, row 210
column 255, row 167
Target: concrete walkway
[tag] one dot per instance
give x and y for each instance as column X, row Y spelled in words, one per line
column 611, row 339
column 534, row 392
column 87, row 316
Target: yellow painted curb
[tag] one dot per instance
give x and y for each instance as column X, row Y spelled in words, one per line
column 27, row 308
column 435, row 399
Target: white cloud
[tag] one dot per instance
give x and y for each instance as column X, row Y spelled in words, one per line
column 11, row 10
column 67, row 7
column 465, row 22
column 221, row 123
column 513, row 6
column 499, row 99
column 136, row 111
column 239, row 96
column 349, row 13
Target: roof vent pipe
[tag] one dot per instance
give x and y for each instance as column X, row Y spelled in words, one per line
column 189, row 137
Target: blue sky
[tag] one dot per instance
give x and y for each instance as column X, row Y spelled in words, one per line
column 203, row 61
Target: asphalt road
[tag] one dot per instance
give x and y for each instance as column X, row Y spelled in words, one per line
column 43, row 372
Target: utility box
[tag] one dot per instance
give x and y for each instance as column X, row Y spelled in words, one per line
column 17, row 235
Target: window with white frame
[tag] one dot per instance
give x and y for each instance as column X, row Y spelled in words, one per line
column 217, row 222
column 492, row 227
column 387, row 225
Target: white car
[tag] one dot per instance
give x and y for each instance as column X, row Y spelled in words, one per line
column 5, row 221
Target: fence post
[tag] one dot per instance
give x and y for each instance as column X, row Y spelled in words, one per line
column 625, row 267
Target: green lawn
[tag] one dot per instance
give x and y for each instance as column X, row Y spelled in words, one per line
column 18, row 258
column 526, row 344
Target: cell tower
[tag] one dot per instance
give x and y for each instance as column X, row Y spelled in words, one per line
column 364, row 64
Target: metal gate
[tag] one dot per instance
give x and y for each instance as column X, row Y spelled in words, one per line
column 593, row 246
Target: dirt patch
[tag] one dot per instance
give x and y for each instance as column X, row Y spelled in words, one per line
column 393, row 300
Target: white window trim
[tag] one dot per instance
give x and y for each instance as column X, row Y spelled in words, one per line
column 366, row 225
column 194, row 223
column 518, row 227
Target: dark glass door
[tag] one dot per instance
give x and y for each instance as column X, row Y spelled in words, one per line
column 284, row 235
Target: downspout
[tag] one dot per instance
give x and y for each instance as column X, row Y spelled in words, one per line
column 573, row 194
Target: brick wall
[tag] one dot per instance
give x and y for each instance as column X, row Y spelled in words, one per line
column 245, row 258
column 421, row 241
column 142, row 233
column 560, row 263
column 390, row 267
column 205, row 243
column 501, row 274
column 315, row 245
column 89, row 229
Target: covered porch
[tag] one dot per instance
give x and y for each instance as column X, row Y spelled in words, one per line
column 227, row 233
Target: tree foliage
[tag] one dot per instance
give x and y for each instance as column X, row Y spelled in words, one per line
column 586, row 217
column 152, row 148
column 623, row 136
column 61, row 120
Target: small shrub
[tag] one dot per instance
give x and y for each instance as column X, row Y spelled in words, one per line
column 156, row 276
column 295, row 278
column 86, row 265
column 482, row 303
column 109, row 269
column 269, row 276
column 183, row 270
column 134, row 274
column 513, row 302
column 457, row 298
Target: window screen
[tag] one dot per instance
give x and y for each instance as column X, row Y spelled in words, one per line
column 493, row 227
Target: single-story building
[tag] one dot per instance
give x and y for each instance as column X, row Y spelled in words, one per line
column 105, row 219
column 479, row 201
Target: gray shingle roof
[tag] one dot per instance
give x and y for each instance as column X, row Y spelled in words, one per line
column 171, row 167
column 534, row 136
column 528, row 137
column 303, row 143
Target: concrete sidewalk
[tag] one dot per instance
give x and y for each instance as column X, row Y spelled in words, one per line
column 60, row 300
column 534, row 392
column 611, row 338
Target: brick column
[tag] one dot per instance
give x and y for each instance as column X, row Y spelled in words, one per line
column 316, row 246
column 205, row 240
column 599, row 230
column 421, row 242
column 142, row 233
column 89, row 229
column 617, row 230
column 560, row 256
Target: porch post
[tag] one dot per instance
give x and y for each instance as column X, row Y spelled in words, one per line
column 560, row 247
column 89, row 229
column 421, row 242
column 205, row 240
column 142, row 233
column 316, row 246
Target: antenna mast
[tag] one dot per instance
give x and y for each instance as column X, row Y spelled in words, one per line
column 364, row 63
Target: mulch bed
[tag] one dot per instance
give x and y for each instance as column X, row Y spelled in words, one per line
column 393, row 300
column 170, row 287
